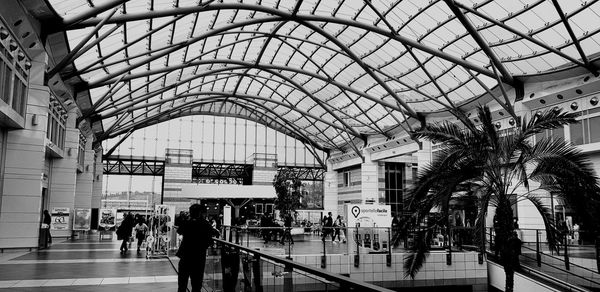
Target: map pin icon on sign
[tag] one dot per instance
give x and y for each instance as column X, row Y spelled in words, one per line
column 355, row 211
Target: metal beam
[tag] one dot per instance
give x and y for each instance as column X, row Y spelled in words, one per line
column 75, row 51
column 72, row 20
column 483, row 44
column 156, row 119
column 219, row 95
column 521, row 34
column 111, row 150
column 299, row 18
column 244, row 65
column 571, row 33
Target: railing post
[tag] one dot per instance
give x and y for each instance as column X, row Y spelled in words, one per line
column 357, row 255
column 537, row 248
column 257, row 272
column 288, row 280
column 449, row 254
column 388, row 257
column 324, row 256
column 597, row 245
column 567, row 265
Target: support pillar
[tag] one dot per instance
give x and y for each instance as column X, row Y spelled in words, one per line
column 85, row 178
column 21, row 199
column 370, row 181
column 64, row 175
column 98, row 177
column 330, row 192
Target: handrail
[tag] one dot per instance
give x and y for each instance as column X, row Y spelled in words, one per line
column 550, row 279
column 562, row 260
column 563, row 271
column 344, row 281
column 555, row 281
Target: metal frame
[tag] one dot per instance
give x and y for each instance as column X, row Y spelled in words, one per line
column 287, row 86
column 124, row 165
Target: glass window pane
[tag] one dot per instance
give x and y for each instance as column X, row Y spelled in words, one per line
column 594, row 129
column 577, row 133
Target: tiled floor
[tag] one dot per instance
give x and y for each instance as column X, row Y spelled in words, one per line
column 85, row 265
column 93, row 265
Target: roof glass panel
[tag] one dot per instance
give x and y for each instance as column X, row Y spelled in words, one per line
column 327, row 64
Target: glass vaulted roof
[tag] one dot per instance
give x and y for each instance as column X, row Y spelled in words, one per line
column 326, row 72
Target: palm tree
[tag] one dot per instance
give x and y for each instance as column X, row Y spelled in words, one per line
column 493, row 165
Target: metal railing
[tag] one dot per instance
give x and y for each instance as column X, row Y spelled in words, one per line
column 233, row 267
column 559, row 264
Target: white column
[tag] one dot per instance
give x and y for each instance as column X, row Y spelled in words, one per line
column 85, row 179
column 330, row 192
column 64, row 174
column 98, row 177
column 369, row 180
column 25, row 151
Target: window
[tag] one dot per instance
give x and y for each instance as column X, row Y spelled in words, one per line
column 13, row 80
column 395, row 182
column 347, row 180
column 57, row 118
column 587, row 130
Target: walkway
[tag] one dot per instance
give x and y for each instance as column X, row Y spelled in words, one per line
column 85, row 265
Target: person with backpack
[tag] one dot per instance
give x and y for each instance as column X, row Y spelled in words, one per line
column 197, row 237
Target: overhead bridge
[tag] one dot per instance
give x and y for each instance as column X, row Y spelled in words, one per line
column 208, row 170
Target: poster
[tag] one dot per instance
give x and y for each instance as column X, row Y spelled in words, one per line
column 60, row 218
column 369, row 226
column 369, row 215
column 107, row 219
column 82, row 218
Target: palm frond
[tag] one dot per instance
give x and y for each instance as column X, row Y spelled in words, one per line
column 420, row 251
column 549, row 119
column 552, row 233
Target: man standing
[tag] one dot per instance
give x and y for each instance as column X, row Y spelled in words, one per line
column 197, row 237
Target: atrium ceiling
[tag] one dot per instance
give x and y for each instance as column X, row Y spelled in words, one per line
column 326, row 72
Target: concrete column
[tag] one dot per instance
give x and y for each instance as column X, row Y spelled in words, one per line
column 64, row 174
column 330, row 192
column 20, row 213
column 98, row 177
column 370, row 180
column 85, row 179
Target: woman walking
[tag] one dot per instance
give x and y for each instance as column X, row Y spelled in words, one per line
column 124, row 231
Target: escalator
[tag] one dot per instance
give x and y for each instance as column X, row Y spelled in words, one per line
column 549, row 273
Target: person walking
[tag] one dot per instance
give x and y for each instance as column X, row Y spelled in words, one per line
column 124, row 231
column 46, row 225
column 327, row 226
column 140, row 232
column 287, row 233
column 197, row 237
column 336, row 229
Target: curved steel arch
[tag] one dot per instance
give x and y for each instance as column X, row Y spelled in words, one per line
column 272, row 11
column 223, row 94
column 150, row 120
column 243, row 65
